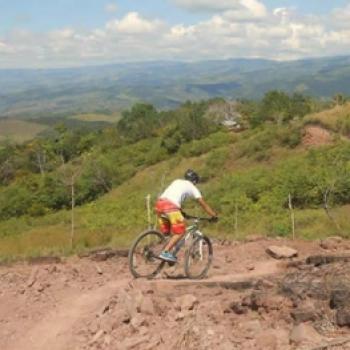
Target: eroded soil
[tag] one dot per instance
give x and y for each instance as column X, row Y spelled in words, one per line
column 250, row 300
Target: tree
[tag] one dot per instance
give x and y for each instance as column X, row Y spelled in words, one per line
column 300, row 105
column 139, row 123
column 275, row 106
column 339, row 99
column 7, row 164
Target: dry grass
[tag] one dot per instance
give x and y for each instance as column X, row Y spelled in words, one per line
column 330, row 118
column 19, row 130
column 91, row 117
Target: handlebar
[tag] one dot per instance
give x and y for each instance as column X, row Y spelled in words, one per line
column 198, row 218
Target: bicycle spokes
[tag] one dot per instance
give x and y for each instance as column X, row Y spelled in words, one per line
column 198, row 258
column 143, row 256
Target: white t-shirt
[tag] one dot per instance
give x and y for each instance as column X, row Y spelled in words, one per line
column 179, row 190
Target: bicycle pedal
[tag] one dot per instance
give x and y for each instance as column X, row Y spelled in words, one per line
column 170, row 263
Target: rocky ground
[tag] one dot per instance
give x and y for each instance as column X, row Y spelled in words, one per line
column 253, row 298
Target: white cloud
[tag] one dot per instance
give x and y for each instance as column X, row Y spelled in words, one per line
column 66, row 33
column 111, row 8
column 4, row 48
column 239, row 9
column 205, row 5
column 340, row 17
column 133, row 23
column 246, row 29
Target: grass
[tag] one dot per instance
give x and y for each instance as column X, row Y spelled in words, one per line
column 19, row 130
column 93, row 117
column 115, row 219
column 330, row 118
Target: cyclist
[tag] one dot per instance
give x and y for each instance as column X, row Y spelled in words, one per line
column 168, row 209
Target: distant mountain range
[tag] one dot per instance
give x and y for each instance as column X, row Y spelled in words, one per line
column 30, row 92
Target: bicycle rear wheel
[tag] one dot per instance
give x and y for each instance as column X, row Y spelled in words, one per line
column 198, row 258
column 143, row 254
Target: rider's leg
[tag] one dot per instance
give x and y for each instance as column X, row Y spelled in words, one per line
column 178, row 229
column 173, row 240
column 164, row 225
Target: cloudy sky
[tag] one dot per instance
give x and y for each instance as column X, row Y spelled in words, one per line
column 61, row 33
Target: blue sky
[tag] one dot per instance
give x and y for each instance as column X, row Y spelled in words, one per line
column 45, row 31
column 44, row 15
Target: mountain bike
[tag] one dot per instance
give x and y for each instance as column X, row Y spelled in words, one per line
column 144, row 253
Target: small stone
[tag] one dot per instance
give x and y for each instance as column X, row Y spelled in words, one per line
column 187, row 302
column 147, row 306
column 32, row 278
column 134, row 342
column 42, row 287
column 264, row 284
column 250, row 267
column 210, row 332
column 138, row 321
column 107, row 339
column 228, row 259
column 143, row 330
column 98, row 269
column 97, row 336
column 179, row 316
column 238, row 308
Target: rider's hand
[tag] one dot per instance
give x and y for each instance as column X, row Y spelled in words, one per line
column 214, row 219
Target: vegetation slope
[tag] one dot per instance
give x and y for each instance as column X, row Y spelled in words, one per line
column 252, row 177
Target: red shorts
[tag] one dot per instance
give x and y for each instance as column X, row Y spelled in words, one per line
column 174, row 222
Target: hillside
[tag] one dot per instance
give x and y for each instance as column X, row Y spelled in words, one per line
column 248, row 176
column 19, row 130
column 164, row 84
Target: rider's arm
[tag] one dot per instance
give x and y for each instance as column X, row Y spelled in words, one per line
column 207, row 208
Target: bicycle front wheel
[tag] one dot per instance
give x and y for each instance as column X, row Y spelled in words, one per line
column 143, row 254
column 198, row 258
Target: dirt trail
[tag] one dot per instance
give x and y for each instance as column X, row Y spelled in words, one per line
column 55, row 330
column 82, row 304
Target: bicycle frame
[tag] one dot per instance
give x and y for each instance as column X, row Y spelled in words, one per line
column 192, row 232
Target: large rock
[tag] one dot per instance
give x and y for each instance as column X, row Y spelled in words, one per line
column 342, row 317
column 250, row 329
column 267, row 340
column 301, row 285
column 331, row 243
column 266, row 301
column 304, row 333
column 131, row 302
column 281, row 252
column 339, row 298
column 304, row 314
